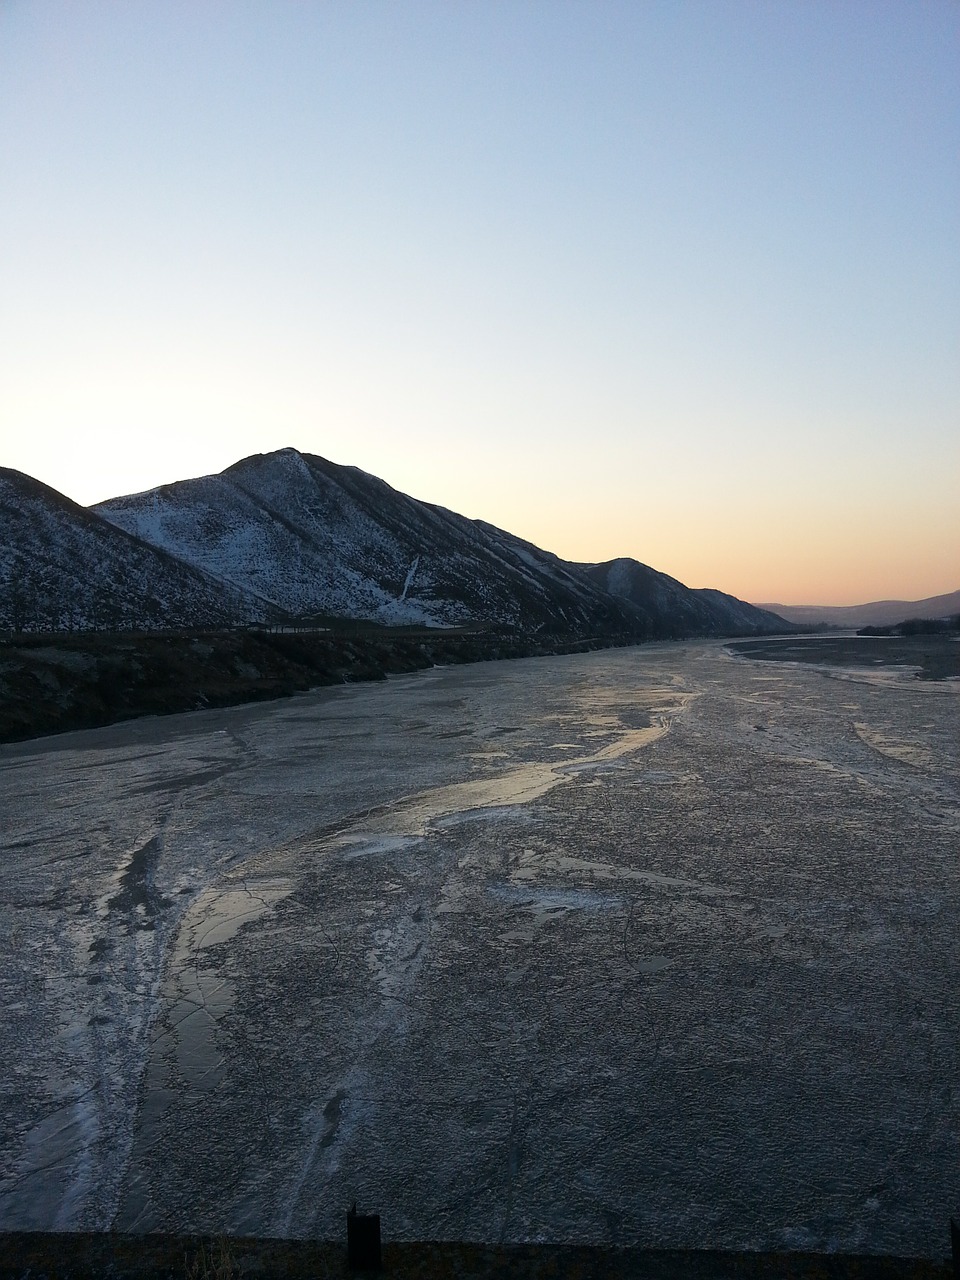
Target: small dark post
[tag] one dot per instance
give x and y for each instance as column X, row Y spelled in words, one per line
column 955, row 1247
column 363, row 1240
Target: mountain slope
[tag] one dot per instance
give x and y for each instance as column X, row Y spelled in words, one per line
column 293, row 535
column 63, row 567
column 679, row 610
column 876, row 613
column 317, row 538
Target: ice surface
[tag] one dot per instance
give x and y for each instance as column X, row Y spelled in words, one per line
column 650, row 945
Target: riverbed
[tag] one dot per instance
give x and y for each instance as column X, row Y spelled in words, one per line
column 647, row 946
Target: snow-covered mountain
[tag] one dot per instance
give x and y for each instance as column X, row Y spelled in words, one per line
column 64, row 567
column 317, row 538
column 679, row 610
column 292, row 535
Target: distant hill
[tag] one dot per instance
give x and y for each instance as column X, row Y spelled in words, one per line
column 878, row 613
column 683, row 610
column 291, row 536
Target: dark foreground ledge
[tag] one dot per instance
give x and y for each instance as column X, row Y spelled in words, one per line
column 112, row 1256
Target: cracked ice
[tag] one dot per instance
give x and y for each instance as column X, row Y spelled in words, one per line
column 648, row 946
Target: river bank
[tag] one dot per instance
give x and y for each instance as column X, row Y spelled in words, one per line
column 62, row 681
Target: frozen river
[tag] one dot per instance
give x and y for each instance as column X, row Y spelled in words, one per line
column 654, row 946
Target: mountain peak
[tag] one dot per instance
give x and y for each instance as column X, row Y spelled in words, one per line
column 293, row 534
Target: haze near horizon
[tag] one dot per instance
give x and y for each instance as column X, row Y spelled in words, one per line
column 673, row 281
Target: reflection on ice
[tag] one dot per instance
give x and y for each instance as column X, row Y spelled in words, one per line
column 544, row 901
column 442, row 806
column 197, row 996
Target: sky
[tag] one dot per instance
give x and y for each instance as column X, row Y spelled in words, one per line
column 673, row 280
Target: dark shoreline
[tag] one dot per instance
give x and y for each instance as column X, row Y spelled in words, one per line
column 58, row 682
column 62, row 681
column 94, row 1255
column 936, row 657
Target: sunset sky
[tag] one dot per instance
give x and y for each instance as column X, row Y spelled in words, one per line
column 676, row 280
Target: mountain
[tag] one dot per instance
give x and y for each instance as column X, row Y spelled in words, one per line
column 287, row 535
column 878, row 613
column 680, row 610
column 315, row 538
column 62, row 567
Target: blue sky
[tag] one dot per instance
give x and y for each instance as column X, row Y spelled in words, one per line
column 672, row 280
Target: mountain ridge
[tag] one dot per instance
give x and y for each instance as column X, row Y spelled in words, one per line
column 287, row 535
column 313, row 537
column 876, row 613
column 701, row 611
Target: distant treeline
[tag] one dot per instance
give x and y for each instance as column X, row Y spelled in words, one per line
column 916, row 627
